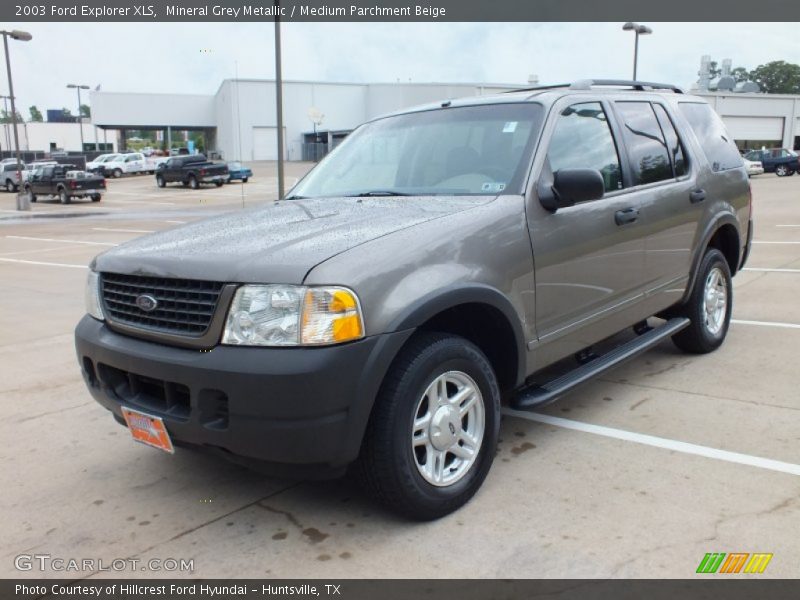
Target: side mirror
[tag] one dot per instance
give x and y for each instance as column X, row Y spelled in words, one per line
column 572, row 186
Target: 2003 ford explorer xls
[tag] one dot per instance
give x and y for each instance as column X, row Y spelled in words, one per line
column 425, row 272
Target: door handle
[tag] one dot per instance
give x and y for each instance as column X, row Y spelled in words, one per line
column 626, row 215
column 697, row 195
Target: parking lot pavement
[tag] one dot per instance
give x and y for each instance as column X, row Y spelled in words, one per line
column 638, row 474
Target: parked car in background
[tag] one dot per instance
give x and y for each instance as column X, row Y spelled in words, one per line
column 780, row 161
column 96, row 165
column 65, row 182
column 754, row 167
column 128, row 163
column 13, row 175
column 237, row 170
column 191, row 170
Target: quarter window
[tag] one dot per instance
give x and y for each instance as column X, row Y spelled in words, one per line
column 582, row 140
column 647, row 150
column 717, row 144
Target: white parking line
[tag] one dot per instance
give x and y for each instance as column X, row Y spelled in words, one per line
column 40, row 239
column 766, row 323
column 178, row 222
column 760, row 270
column 123, row 230
column 787, row 225
column 36, row 262
column 147, row 202
column 659, row 442
column 777, row 243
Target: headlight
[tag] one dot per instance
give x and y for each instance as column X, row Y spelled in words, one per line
column 288, row 315
column 94, row 305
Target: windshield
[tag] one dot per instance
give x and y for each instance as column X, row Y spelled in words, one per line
column 109, row 158
column 479, row 150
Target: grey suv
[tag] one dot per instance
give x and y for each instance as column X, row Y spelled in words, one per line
column 424, row 273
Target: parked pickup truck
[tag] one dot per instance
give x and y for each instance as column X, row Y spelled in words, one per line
column 66, row 182
column 127, row 164
column 13, row 175
column 191, row 170
column 780, row 161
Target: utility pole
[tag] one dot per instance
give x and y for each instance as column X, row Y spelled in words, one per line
column 279, row 98
column 22, row 36
column 80, row 117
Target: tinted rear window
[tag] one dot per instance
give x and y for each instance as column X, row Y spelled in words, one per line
column 717, row 144
column 647, row 150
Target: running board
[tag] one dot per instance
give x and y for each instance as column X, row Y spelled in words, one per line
column 535, row 395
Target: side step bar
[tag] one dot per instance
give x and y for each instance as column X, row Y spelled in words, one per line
column 535, row 395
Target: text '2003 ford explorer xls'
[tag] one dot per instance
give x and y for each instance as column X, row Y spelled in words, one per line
column 426, row 270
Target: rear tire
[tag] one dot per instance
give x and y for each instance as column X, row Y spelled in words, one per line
column 218, row 183
column 425, row 452
column 193, row 183
column 244, row 179
column 781, row 170
column 30, row 193
column 709, row 306
column 117, row 173
column 160, row 181
column 10, row 187
column 63, row 196
column 96, row 197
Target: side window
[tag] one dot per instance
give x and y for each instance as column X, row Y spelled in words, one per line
column 673, row 141
column 717, row 144
column 647, row 150
column 582, row 139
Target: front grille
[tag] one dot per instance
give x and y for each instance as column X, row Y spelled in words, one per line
column 185, row 306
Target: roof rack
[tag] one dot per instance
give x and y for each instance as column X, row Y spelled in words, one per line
column 588, row 84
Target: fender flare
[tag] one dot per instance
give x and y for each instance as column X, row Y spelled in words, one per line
column 440, row 300
column 726, row 218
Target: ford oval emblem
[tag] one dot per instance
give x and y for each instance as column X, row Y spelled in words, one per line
column 146, row 302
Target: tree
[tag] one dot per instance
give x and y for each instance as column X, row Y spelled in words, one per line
column 5, row 117
column 777, row 77
column 66, row 112
column 36, row 114
column 740, row 74
column 86, row 111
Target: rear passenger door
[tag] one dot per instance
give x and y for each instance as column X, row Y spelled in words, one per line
column 662, row 184
column 589, row 258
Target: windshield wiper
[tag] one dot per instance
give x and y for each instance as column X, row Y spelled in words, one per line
column 296, row 198
column 377, row 193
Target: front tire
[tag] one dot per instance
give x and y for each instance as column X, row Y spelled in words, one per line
column 432, row 435
column 160, row 181
column 781, row 170
column 117, row 173
column 708, row 307
column 244, row 179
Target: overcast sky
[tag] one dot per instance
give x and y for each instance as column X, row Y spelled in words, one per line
column 196, row 57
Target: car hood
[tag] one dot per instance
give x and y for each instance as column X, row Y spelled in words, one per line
column 277, row 243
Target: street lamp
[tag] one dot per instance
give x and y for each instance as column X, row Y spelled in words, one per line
column 639, row 30
column 5, row 125
column 80, row 119
column 20, row 36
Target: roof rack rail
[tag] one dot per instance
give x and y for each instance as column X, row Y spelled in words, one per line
column 587, row 84
column 640, row 86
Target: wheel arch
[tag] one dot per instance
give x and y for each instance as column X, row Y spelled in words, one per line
column 723, row 233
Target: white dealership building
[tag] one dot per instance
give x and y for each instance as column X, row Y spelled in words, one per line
column 239, row 120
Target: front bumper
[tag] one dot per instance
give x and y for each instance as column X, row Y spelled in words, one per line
column 279, row 406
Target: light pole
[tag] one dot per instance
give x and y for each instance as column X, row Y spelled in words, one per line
column 5, row 125
column 279, row 98
column 80, row 117
column 638, row 30
column 22, row 36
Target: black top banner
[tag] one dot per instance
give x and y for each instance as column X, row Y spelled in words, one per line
column 394, row 10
